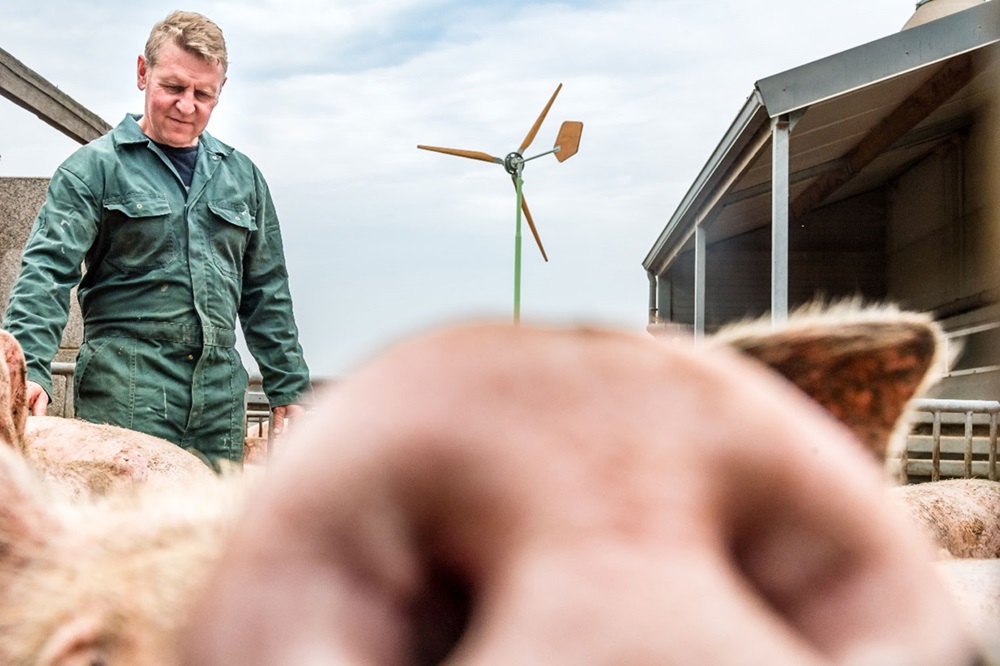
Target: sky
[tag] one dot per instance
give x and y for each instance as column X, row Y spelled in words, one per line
column 384, row 241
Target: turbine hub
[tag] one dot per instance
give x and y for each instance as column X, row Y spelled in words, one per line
column 513, row 163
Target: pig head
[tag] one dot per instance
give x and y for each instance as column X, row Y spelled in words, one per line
column 107, row 580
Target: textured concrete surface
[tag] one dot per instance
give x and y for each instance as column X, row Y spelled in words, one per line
column 20, row 199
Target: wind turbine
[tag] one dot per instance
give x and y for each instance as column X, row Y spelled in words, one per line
column 566, row 144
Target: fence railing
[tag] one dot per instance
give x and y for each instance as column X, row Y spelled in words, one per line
column 951, row 438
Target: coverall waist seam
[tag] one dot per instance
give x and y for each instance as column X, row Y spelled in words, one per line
column 209, row 336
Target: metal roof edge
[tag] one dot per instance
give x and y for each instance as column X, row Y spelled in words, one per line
column 751, row 116
column 881, row 59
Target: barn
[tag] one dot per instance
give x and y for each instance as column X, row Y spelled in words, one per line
column 871, row 174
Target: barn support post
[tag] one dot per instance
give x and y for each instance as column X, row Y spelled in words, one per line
column 664, row 299
column 653, row 314
column 700, row 252
column 781, row 132
column 780, row 135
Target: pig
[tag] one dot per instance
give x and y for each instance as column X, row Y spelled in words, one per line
column 961, row 516
column 104, row 580
column 80, row 457
column 975, row 584
column 255, row 451
column 119, row 579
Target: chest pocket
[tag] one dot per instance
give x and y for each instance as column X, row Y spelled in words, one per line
column 138, row 232
column 231, row 226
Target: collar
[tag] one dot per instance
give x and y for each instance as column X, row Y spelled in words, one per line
column 129, row 132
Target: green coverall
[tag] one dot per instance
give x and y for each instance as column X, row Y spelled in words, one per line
column 167, row 272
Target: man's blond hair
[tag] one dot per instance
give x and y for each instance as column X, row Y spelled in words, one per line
column 193, row 32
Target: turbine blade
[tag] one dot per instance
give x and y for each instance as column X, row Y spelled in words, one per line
column 568, row 140
column 531, row 223
column 471, row 154
column 538, row 123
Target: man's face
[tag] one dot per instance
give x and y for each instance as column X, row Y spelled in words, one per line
column 181, row 92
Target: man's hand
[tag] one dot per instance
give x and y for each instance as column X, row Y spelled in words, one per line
column 37, row 399
column 501, row 495
column 282, row 417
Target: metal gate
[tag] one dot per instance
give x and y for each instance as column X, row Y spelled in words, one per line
column 951, row 439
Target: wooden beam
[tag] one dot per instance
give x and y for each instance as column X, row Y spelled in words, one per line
column 30, row 91
column 937, row 90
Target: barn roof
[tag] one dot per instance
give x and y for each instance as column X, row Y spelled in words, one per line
column 859, row 118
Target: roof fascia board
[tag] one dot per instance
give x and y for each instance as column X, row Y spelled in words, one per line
column 747, row 123
column 32, row 92
column 881, row 59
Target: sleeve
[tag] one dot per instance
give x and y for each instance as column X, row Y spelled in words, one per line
column 265, row 309
column 51, row 266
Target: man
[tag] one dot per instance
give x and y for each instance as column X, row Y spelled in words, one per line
column 179, row 236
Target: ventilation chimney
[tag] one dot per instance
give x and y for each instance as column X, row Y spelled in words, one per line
column 932, row 10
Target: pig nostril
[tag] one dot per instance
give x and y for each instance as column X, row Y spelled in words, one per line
column 439, row 617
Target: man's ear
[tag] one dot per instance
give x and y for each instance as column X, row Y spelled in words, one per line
column 13, row 391
column 863, row 364
column 141, row 72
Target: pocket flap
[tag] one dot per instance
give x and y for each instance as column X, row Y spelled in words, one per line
column 139, row 205
column 233, row 212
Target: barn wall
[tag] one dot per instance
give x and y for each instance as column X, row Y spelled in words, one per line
column 834, row 252
column 20, row 199
column 944, row 251
column 926, row 231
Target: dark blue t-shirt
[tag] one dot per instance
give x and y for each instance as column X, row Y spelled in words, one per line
column 183, row 160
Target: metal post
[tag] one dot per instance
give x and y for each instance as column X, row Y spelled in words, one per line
column 517, row 250
column 936, row 448
column 993, row 447
column 664, row 299
column 780, row 134
column 968, row 445
column 699, row 283
column 653, row 314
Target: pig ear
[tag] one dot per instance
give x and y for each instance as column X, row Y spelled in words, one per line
column 25, row 523
column 13, row 391
column 863, row 365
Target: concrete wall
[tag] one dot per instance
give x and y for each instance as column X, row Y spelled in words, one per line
column 20, row 199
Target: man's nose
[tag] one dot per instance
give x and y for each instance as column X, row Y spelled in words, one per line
column 185, row 103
